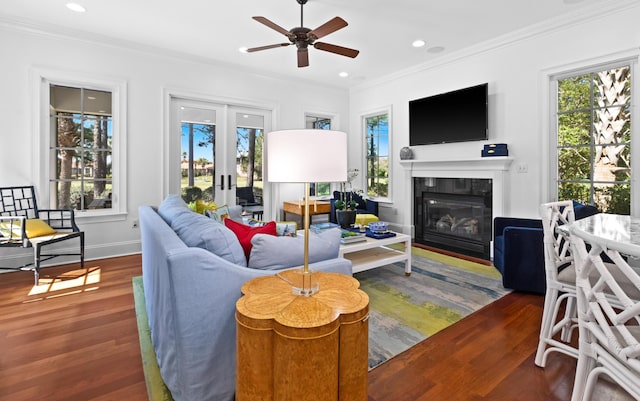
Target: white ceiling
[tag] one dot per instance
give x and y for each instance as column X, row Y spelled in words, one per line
column 381, row 30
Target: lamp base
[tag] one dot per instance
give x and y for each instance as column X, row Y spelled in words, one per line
column 302, row 283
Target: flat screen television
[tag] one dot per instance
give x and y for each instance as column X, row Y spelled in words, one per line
column 456, row 116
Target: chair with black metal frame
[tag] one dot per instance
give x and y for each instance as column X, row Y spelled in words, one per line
column 24, row 225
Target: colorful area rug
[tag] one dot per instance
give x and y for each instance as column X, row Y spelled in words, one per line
column 440, row 291
column 403, row 310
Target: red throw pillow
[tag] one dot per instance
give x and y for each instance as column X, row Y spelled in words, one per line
column 245, row 233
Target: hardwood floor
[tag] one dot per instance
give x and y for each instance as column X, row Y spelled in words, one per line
column 80, row 343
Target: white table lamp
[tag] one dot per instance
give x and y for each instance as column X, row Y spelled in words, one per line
column 306, row 156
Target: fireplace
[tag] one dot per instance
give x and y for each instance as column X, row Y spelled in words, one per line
column 454, row 214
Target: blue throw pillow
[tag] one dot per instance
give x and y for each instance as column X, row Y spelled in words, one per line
column 274, row 253
column 172, row 206
column 197, row 230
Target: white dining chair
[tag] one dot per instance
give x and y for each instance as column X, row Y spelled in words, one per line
column 608, row 315
column 560, row 281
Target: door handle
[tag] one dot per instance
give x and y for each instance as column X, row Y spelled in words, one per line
column 229, row 181
column 222, row 182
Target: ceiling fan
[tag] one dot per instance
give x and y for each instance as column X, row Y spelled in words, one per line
column 304, row 37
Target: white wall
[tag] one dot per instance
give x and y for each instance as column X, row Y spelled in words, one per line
column 516, row 73
column 147, row 74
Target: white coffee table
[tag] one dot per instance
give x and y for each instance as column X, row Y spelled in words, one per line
column 373, row 253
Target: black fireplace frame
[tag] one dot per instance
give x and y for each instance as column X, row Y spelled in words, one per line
column 441, row 203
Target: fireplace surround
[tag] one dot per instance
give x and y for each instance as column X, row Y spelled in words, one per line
column 454, row 214
column 493, row 169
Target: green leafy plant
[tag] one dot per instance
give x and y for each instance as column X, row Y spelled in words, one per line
column 346, row 205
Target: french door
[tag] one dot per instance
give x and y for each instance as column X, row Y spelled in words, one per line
column 216, row 148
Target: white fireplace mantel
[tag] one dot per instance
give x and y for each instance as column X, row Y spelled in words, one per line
column 497, row 163
column 496, row 168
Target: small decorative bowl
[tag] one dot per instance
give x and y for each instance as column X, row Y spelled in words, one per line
column 378, row 227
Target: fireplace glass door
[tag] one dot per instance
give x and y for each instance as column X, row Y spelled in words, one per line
column 454, row 214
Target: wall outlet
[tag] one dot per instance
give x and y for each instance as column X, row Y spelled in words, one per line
column 134, row 224
column 522, row 168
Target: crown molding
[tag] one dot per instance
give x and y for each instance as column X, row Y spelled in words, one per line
column 549, row 26
column 58, row 32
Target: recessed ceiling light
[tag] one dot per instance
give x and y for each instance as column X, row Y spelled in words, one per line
column 435, row 49
column 344, row 74
column 76, row 7
column 418, row 43
column 243, row 50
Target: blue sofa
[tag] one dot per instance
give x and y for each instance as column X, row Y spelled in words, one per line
column 191, row 293
column 366, row 206
column 518, row 250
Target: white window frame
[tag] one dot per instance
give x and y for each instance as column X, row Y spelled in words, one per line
column 549, row 157
column 334, row 118
column 363, row 162
column 42, row 79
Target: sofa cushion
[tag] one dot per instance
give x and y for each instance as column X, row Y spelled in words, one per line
column 245, row 233
column 197, row 230
column 274, row 253
column 172, row 206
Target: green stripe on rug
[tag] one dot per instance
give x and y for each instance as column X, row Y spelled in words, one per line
column 486, row 270
column 156, row 389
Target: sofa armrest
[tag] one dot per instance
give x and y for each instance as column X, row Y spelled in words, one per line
column 500, row 223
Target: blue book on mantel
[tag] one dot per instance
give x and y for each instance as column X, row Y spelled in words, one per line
column 371, row 234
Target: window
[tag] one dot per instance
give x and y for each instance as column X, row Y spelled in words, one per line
column 315, row 122
column 81, row 146
column 198, row 161
column 81, row 139
column 593, row 122
column 377, row 146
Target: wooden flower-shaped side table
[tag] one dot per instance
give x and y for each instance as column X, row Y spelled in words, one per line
column 292, row 347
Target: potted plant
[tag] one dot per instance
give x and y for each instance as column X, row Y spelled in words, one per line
column 346, row 212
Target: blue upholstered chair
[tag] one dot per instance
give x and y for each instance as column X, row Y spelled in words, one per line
column 518, row 250
column 365, row 206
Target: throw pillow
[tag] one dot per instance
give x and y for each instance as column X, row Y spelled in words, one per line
column 172, row 206
column 283, row 228
column 218, row 214
column 196, row 230
column 274, row 253
column 34, row 228
column 245, row 233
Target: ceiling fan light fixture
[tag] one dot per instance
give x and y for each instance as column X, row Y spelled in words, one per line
column 243, row 49
column 303, row 37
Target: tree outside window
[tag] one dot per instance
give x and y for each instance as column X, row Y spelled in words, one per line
column 594, row 139
column 81, row 147
column 377, row 171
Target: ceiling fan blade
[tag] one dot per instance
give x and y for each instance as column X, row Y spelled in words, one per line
column 343, row 51
column 303, row 57
column 273, row 26
column 255, row 49
column 327, row 28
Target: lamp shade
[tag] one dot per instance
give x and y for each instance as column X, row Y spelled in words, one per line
column 306, row 155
